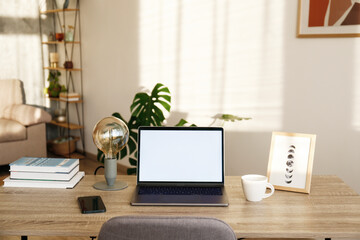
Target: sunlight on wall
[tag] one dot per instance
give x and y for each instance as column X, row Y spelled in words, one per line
column 20, row 47
column 19, row 8
column 21, row 59
column 356, row 79
column 216, row 57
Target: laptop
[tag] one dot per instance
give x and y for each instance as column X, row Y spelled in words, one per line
column 180, row 166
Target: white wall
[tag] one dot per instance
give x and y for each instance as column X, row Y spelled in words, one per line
column 239, row 57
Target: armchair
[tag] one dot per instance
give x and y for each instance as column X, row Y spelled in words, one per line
column 22, row 127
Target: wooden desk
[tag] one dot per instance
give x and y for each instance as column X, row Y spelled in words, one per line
column 331, row 210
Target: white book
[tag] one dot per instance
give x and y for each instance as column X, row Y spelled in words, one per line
column 44, row 175
column 69, row 99
column 8, row 182
column 34, row 164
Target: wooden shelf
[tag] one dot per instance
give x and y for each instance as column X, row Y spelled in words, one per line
column 60, row 10
column 63, row 69
column 60, row 100
column 61, row 42
column 70, row 126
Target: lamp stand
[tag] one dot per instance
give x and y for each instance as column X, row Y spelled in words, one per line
column 110, row 176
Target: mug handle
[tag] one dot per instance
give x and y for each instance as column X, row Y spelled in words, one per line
column 269, row 185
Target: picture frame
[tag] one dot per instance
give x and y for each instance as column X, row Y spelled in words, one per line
column 291, row 161
column 335, row 18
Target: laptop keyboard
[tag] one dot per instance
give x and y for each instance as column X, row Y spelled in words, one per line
column 180, row 190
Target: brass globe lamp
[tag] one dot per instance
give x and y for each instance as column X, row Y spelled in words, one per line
column 110, row 135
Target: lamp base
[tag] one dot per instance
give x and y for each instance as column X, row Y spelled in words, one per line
column 117, row 186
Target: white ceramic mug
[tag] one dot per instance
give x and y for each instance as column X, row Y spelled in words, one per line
column 254, row 187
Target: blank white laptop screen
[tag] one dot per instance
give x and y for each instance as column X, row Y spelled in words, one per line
column 180, row 156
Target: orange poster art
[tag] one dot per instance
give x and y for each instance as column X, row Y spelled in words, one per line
column 337, row 10
column 353, row 18
column 317, row 12
column 329, row 18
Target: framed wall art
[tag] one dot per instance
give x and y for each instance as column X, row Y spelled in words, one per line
column 291, row 161
column 328, row 18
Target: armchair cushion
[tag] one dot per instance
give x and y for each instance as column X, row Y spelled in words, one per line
column 26, row 114
column 11, row 130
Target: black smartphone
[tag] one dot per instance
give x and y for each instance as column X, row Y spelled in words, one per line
column 91, row 204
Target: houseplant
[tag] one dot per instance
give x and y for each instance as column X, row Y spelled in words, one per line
column 148, row 110
column 55, row 87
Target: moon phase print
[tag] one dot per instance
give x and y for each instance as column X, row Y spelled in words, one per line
column 290, row 164
column 291, row 161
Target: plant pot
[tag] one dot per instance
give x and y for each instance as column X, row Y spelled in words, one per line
column 54, row 92
column 68, row 65
column 59, row 36
column 63, row 147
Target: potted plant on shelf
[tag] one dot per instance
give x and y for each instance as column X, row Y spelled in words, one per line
column 55, row 87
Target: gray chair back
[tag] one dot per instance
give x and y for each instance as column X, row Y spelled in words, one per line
column 165, row 228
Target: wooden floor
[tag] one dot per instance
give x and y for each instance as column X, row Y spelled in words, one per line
column 88, row 165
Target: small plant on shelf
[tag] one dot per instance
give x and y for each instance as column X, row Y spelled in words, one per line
column 55, row 87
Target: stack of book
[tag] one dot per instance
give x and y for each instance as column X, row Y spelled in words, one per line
column 70, row 97
column 44, row 173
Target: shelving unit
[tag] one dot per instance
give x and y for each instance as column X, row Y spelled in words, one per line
column 70, row 126
column 60, row 10
column 63, row 69
column 60, row 100
column 60, row 42
column 72, row 77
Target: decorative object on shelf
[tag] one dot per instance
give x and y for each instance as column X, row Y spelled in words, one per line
column 63, row 145
column 60, row 4
column 51, row 37
column 68, row 65
column 54, row 59
column 69, row 35
column 59, row 36
column 60, row 115
column 291, row 161
column 66, row 4
column 55, row 87
column 70, row 97
column 110, row 135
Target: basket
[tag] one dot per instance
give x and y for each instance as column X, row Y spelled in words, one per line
column 63, row 148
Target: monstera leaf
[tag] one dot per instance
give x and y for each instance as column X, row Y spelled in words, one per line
column 147, row 109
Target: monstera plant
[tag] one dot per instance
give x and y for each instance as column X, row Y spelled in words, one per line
column 148, row 110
